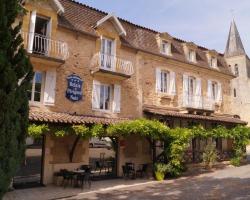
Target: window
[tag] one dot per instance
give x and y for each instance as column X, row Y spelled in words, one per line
column 191, row 86
column 191, row 56
column 165, row 48
column 35, row 90
column 164, row 81
column 107, row 53
column 213, row 62
column 236, row 70
column 106, row 97
column 235, row 92
column 214, row 90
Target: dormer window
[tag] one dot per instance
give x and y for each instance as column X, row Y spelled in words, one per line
column 165, row 48
column 191, row 56
column 213, row 62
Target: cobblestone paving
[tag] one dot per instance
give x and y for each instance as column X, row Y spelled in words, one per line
column 231, row 183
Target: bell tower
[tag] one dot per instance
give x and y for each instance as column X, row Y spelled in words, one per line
column 239, row 64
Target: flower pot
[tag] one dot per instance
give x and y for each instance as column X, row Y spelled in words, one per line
column 159, row 176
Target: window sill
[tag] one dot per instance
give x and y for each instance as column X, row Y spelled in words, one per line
column 166, row 96
column 102, row 111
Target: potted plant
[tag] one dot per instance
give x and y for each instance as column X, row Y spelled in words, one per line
column 160, row 170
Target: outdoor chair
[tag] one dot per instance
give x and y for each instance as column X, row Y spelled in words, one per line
column 143, row 171
column 68, row 178
column 85, row 178
column 128, row 170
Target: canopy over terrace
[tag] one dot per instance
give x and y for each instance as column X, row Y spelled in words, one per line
column 172, row 116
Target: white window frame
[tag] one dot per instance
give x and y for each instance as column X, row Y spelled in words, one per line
column 102, row 85
column 32, row 101
column 165, row 47
column 193, row 79
column 213, row 62
column 214, row 90
column 107, row 58
column 191, row 55
column 164, row 88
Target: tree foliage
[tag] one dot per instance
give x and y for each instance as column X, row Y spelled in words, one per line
column 15, row 76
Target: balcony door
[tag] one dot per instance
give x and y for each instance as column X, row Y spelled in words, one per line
column 107, row 54
column 39, row 34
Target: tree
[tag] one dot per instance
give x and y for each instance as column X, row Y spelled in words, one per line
column 15, row 76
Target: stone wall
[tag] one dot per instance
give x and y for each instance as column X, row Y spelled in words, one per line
column 56, row 155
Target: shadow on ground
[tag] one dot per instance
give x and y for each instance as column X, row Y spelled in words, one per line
column 188, row 188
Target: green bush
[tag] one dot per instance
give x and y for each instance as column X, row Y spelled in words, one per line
column 209, row 156
column 235, row 161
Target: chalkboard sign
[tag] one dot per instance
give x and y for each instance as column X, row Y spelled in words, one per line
column 74, row 90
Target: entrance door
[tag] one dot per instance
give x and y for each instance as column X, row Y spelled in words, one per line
column 30, row 172
column 103, row 157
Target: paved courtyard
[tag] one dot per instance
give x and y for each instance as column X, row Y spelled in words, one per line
column 230, row 183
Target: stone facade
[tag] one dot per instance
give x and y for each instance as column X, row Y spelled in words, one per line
column 137, row 90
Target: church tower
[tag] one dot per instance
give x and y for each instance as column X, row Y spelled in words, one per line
column 239, row 63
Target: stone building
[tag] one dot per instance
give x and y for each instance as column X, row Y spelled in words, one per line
column 239, row 63
column 93, row 67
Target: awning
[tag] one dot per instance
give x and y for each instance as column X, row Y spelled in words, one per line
column 176, row 114
column 67, row 118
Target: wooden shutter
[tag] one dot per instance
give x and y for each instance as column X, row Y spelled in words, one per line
column 96, row 95
column 209, row 89
column 185, row 90
column 32, row 31
column 50, row 87
column 117, row 99
column 219, row 93
column 198, row 95
column 172, row 87
column 158, row 80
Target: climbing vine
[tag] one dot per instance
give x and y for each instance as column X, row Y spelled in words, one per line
column 176, row 140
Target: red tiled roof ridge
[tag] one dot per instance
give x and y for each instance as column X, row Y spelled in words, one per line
column 78, row 115
column 139, row 26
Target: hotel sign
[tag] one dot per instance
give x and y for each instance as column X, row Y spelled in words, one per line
column 74, row 90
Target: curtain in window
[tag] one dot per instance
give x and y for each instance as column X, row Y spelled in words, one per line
column 96, row 95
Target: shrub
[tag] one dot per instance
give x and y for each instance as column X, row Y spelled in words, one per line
column 235, row 161
column 209, row 156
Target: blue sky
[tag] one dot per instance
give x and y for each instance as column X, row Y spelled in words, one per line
column 205, row 22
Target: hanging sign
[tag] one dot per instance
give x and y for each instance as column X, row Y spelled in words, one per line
column 74, row 90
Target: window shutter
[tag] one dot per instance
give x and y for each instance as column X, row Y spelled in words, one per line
column 117, row 99
column 32, row 31
column 50, row 87
column 96, row 95
column 158, row 80
column 113, row 55
column 172, row 88
column 198, row 96
column 185, row 90
column 219, row 93
column 209, row 89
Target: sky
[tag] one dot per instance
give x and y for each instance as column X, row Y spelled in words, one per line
column 204, row 22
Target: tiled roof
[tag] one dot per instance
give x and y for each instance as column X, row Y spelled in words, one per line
column 82, row 18
column 215, row 118
column 66, row 118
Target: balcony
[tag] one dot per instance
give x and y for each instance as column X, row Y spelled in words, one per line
column 198, row 103
column 112, row 65
column 41, row 45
